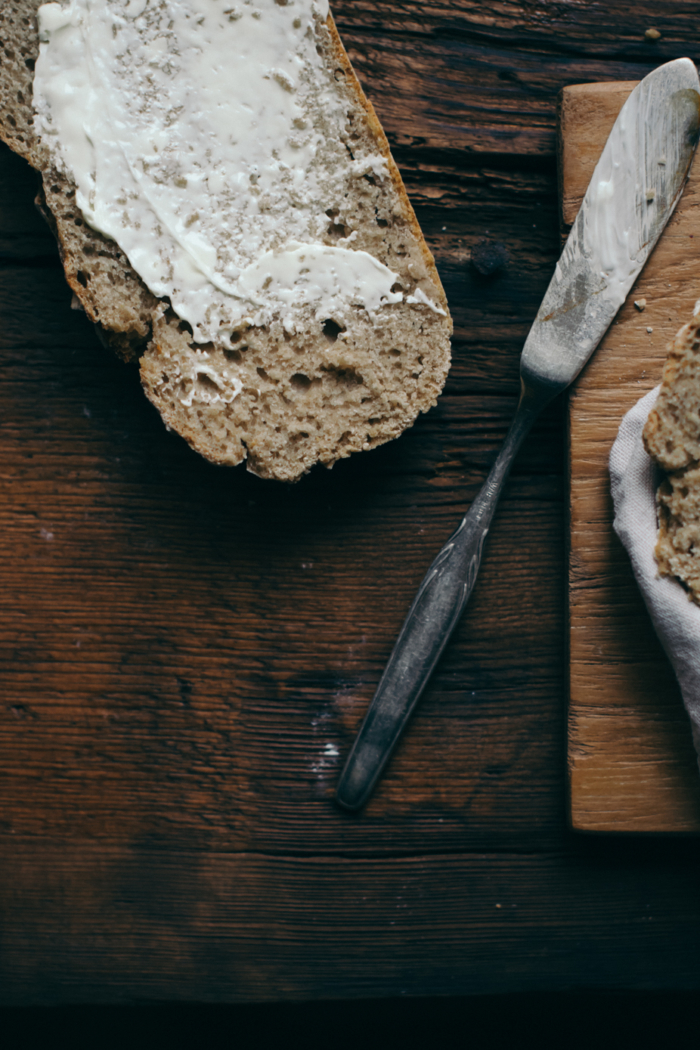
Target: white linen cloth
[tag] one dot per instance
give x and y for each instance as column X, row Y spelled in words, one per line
column 676, row 620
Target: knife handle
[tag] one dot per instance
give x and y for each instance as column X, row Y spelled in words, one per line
column 433, row 616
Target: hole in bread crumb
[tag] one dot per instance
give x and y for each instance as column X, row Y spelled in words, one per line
column 396, row 287
column 185, row 326
column 235, row 337
column 81, row 278
column 371, row 179
column 347, row 377
column 382, row 223
column 395, row 353
column 301, row 382
column 207, row 382
column 30, row 63
column 331, row 329
column 336, row 230
column 235, row 355
column 263, row 374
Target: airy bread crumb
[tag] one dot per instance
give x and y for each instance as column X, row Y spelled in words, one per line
column 672, row 439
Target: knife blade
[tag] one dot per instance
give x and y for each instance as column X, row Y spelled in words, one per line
column 635, row 187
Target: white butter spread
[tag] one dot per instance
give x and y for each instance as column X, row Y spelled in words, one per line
column 199, row 135
column 420, row 297
column 611, row 233
column 632, row 184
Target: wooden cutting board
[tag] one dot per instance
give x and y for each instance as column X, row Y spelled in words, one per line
column 632, row 766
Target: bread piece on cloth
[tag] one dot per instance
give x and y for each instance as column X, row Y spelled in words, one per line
column 634, row 480
column 306, row 397
column 672, row 439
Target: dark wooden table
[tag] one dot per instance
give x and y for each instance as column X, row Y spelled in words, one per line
column 186, row 652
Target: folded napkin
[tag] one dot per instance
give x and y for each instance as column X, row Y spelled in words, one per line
column 676, row 619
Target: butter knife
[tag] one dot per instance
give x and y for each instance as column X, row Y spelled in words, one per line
column 635, row 187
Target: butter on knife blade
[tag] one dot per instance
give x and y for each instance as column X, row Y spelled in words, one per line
column 635, row 187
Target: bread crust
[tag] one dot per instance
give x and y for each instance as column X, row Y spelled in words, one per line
column 305, row 399
column 383, row 143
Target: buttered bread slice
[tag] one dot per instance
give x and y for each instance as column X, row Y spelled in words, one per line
column 228, row 212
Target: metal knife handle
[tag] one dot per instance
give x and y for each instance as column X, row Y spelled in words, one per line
column 431, row 619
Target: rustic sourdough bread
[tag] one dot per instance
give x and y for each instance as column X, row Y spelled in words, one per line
column 306, row 397
column 672, row 439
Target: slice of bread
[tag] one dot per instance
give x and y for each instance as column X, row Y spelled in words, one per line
column 314, row 396
column 672, row 439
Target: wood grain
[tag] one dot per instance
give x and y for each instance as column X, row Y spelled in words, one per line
column 119, row 924
column 186, row 652
column 632, row 766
